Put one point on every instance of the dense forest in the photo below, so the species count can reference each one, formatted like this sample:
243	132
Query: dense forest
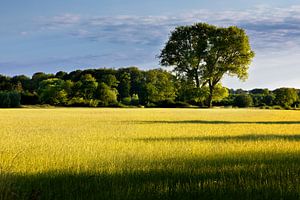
129	87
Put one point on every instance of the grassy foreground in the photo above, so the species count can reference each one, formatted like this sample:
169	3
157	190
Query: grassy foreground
79	153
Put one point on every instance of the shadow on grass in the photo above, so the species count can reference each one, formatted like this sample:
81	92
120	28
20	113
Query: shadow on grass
270	177
245	138
219	122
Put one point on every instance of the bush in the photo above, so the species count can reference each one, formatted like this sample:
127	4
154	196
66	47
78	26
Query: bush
93	102
10	99
277	107
78	102
4	100
151	105
28	98
243	101
265	107
15	99
169	103
135	101
126	101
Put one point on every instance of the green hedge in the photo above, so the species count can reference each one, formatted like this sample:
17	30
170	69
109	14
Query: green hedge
10	99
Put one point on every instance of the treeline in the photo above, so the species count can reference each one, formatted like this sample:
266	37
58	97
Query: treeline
131	87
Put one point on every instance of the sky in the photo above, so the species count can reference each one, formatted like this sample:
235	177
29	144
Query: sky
65	35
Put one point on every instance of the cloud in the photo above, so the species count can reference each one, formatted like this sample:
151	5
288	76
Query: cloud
269	28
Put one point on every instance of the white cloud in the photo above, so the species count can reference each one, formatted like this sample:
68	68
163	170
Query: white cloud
268	27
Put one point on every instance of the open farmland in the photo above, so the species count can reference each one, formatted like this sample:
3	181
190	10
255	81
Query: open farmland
81	153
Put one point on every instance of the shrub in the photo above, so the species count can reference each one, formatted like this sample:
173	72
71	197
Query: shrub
4	100
15	99
243	101
277	107
9	99
135	101
78	102
93	102
169	103
126	101
28	98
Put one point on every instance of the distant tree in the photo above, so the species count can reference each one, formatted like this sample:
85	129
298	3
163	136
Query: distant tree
243	100
206	53
259	91
74	75
106	95
29	98
37	78
53	91
15	99
136	80
5	83
240	91
157	86
285	96
88	86
110	80
9	99
61	75
124	86
21	82
4	100
269	99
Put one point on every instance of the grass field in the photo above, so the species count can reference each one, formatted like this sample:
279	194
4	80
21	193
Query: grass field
78	153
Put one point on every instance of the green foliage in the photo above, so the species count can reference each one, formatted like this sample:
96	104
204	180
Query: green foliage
201	95
5	83
124	86
157	86
77	102
126	101
21	83
219	93
15	99
243	101
133	87
286	97
4	100
87	86
110	80
9	99
54	91
205	53
106	95
29	98
37	78
135	100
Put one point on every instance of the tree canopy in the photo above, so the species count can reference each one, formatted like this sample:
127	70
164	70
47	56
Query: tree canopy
206	53
131	87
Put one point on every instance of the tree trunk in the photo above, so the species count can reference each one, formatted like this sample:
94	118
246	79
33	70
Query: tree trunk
197	80
210	97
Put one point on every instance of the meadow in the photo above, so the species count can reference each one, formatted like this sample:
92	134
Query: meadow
90	153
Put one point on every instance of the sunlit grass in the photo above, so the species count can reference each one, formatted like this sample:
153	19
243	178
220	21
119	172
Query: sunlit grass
149	154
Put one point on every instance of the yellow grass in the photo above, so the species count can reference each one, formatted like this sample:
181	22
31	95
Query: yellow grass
121	141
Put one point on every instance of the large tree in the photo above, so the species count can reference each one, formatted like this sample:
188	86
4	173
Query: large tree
206	53
286	96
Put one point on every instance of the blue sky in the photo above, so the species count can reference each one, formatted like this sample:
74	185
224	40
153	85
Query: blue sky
56	35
